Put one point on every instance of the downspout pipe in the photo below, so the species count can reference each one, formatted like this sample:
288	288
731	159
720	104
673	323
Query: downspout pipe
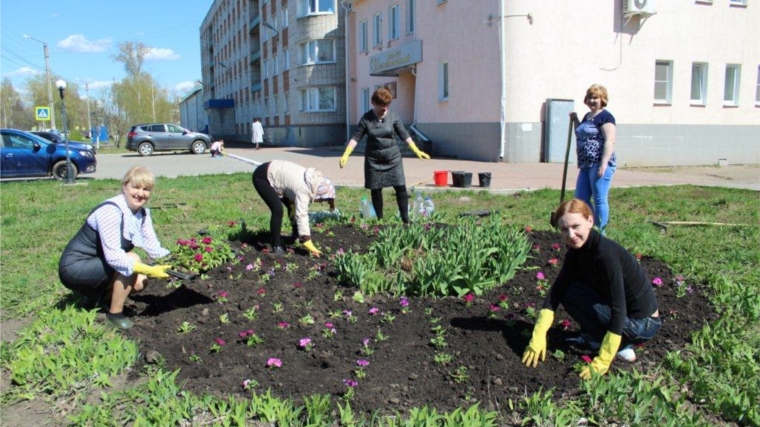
503	60
346	34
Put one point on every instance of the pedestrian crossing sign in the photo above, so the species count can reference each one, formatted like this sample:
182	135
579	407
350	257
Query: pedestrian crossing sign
42	113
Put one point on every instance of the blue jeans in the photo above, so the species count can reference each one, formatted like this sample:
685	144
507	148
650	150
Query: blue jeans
586	307
589	185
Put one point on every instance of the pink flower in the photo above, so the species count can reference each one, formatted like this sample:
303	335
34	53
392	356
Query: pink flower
297	285
347	313
565	324
494	308
283	325
540	276
223	294
231	223
362	362
529	229
556	246
220	341
261	291
328	325
502	297
273	363
536	248
553	261
638	257
246	384
243	334
468	298
304	342
586	359
249	267
374	310
404	302
350	382
198	257
657	281
206	240
365	341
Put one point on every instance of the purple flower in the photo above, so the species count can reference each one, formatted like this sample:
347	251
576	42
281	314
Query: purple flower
349	382
365	341
220	341
347	313
689	289
404	302
283	325
273	363
374	310
362	362
328	325
246	384
304	342
657	281
249	267
540	276
223	294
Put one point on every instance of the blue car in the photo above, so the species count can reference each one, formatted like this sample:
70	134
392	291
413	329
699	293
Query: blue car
23	154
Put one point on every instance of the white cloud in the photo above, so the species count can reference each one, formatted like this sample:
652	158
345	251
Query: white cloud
100	84
185	87
22	72
158	54
78	43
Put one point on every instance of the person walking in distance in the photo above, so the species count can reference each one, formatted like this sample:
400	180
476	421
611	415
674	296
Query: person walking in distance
257	132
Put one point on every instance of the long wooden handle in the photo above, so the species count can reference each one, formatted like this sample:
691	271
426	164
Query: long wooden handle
242	159
567	160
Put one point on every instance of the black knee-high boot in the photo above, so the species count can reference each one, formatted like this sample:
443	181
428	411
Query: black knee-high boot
377	202
402	198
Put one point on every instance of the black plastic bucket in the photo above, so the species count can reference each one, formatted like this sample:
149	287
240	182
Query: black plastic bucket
466	179
456	178
485	179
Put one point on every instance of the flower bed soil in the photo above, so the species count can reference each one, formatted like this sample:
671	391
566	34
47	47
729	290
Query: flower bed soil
402	373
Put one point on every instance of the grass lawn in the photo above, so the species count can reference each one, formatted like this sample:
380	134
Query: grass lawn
64	357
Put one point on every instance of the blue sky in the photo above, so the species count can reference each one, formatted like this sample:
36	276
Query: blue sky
83	36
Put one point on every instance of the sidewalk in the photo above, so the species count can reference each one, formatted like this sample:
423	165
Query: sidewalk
505	177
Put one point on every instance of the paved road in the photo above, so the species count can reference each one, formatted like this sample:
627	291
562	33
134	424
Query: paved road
505	177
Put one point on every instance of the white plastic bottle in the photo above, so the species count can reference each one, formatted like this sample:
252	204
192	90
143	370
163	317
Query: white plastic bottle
429	206
417	206
364	208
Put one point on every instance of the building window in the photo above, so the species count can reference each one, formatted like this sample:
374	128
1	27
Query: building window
285	59
731	90
274	105
663	81
738	2
698	83
265	69
318	99
377	29
365	99
393	22
315	7
285	16
442	1
274	65
285	103
363	42
317	52
410	4
443	81
757	88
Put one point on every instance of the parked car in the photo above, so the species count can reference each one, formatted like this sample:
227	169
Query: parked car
150	137
23	154
58	138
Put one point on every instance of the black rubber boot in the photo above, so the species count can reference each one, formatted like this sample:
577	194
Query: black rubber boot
118	320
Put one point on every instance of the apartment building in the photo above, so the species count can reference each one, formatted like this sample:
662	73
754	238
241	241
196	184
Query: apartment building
494	80
281	60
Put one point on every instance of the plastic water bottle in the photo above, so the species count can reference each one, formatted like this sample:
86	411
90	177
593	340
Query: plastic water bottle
366	210
428	206
417	206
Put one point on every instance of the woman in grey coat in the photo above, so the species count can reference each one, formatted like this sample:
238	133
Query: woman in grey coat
382	158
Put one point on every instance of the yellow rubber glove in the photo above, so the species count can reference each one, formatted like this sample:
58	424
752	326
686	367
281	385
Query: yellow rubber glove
421	154
152	271
537	346
601	363
313	249
344	159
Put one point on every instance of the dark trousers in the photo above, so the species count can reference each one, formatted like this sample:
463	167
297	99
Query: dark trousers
272	200
402	199
586	306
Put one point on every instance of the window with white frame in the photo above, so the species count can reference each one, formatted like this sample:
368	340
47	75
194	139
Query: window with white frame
264	69
285	59
284	17
275	66
315	7
731	89
393	22
410	18
757	88
698	83
318	99
363	41
365	99
738	2
443	81
377	29
663	82
285	103
317	52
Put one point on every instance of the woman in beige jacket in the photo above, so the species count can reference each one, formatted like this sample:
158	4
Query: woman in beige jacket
279	183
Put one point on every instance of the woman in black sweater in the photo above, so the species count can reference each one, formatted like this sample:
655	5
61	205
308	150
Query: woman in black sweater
603	288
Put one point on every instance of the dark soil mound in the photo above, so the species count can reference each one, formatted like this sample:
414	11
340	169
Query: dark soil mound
484	346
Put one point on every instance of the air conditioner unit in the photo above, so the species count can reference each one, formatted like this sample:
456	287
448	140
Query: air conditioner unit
638	7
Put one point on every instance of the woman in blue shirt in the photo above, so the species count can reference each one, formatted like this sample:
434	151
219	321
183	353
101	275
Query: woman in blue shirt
595	146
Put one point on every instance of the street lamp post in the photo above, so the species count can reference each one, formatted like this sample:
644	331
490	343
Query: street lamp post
49	84
61	85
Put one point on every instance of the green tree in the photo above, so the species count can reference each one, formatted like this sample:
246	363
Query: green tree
13	112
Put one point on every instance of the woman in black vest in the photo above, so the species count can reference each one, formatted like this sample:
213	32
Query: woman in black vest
98	261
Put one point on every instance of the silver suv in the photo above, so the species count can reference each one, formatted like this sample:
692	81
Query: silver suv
150	137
